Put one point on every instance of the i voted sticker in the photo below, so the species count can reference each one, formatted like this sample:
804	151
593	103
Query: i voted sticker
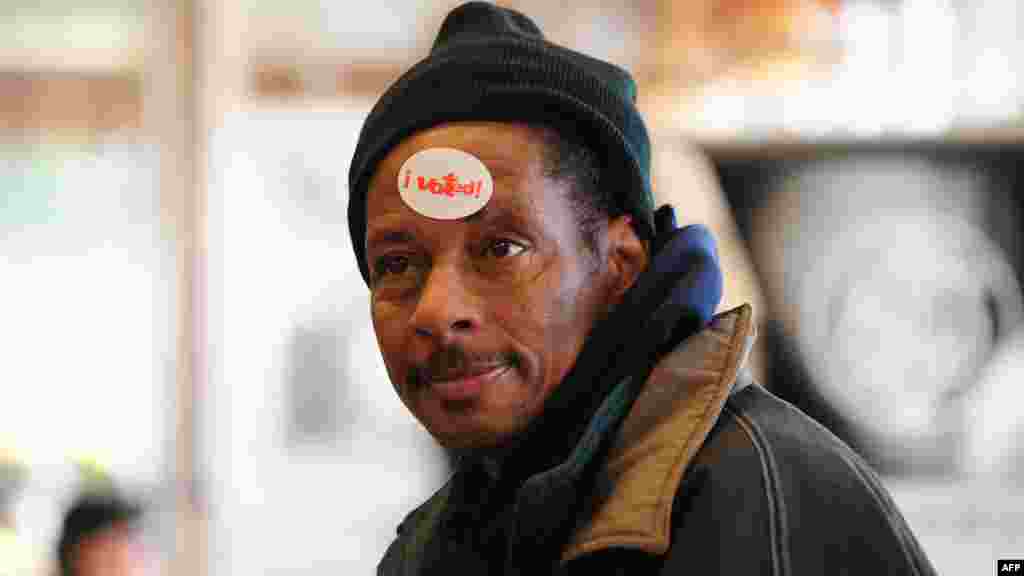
445	183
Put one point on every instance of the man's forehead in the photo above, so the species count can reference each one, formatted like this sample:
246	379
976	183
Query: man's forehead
508	149
397	223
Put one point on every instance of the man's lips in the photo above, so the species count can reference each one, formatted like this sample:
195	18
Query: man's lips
466	384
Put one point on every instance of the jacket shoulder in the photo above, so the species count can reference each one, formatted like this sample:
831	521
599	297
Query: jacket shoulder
405	551
792	497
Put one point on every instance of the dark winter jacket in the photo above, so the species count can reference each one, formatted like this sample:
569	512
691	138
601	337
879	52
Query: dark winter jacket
708	473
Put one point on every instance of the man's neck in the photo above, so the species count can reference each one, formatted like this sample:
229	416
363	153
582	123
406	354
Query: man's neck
546	443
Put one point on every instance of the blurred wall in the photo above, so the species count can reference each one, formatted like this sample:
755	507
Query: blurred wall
314	460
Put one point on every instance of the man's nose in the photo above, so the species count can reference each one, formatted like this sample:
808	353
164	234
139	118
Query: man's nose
447	307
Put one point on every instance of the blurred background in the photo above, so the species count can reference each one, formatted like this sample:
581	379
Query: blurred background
180	311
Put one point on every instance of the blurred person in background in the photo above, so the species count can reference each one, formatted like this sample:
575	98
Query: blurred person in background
558	334
102	535
17	557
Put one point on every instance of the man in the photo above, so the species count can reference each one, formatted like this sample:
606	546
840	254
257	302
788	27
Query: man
546	325
100	535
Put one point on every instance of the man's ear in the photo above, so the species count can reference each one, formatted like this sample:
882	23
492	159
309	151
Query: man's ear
627	254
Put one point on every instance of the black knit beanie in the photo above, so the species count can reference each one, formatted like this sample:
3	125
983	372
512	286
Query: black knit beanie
493	64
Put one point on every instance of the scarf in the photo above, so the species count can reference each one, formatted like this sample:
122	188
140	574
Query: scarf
515	516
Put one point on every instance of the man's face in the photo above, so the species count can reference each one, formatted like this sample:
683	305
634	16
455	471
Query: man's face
479	319
116	551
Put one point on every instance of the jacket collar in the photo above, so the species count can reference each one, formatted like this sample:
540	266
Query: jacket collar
667	424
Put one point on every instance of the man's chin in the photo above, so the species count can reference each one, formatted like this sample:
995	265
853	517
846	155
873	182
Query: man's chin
475	437
472	440
474	424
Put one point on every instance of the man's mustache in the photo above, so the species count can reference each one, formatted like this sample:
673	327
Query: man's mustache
455	361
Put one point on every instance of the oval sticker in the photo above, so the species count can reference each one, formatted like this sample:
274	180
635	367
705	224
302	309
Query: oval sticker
444	183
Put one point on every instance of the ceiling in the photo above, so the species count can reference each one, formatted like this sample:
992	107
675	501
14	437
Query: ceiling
68	35
93	35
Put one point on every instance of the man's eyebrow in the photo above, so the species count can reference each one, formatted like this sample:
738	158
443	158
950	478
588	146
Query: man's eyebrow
495	214
388	237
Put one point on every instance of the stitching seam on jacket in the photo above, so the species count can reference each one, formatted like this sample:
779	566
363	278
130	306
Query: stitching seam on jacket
882	498
778	534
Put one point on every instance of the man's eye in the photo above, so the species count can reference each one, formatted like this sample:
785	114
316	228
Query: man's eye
504	248
391	264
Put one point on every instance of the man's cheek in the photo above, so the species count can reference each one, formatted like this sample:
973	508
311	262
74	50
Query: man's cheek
396	367
531	297
518	313
391	347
